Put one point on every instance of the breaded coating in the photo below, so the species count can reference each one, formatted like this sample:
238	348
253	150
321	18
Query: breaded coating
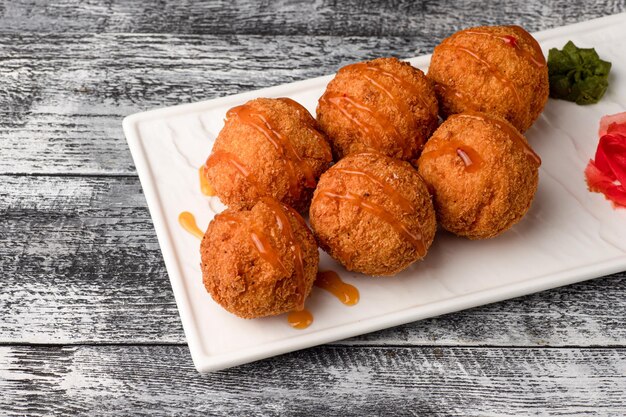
259	262
373	214
482	173
384	105
268	147
498	70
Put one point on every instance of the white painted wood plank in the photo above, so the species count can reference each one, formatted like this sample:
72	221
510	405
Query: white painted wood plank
160	380
285	17
79	262
65	95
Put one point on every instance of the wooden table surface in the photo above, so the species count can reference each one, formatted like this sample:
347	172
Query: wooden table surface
88	322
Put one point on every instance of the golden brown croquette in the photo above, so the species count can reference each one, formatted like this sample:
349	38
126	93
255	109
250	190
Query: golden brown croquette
268	147
482	173
384	105
373	214
259	262
498	70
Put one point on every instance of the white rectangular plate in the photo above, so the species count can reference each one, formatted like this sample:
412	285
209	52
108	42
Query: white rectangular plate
569	235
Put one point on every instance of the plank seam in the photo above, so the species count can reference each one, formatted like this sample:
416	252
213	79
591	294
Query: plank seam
330	345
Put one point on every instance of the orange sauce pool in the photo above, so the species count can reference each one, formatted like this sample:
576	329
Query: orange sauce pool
188	222
205	187
300	319
331	282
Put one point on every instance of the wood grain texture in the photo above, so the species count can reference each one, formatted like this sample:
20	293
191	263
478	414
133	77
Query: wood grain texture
160	380
81	264
82	277
429	19
65	94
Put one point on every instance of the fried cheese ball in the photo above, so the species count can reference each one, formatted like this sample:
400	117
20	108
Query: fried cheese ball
259	262
373	214
268	147
498	70
482	174
384	105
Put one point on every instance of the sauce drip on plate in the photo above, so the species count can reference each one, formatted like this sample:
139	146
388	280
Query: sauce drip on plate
331	282
188	222
205	186
300	319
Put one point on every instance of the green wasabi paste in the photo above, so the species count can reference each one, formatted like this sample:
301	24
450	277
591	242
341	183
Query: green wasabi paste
577	74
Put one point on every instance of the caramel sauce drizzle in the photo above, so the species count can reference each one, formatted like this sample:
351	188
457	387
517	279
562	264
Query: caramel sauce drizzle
284	225
293	160
349	106
259	240
494	71
331	282
536	56
205	187
300	319
404	204
265	249
416	239
188	222
229	158
397	198
470	157
446	90
363	67
517	137
310	124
